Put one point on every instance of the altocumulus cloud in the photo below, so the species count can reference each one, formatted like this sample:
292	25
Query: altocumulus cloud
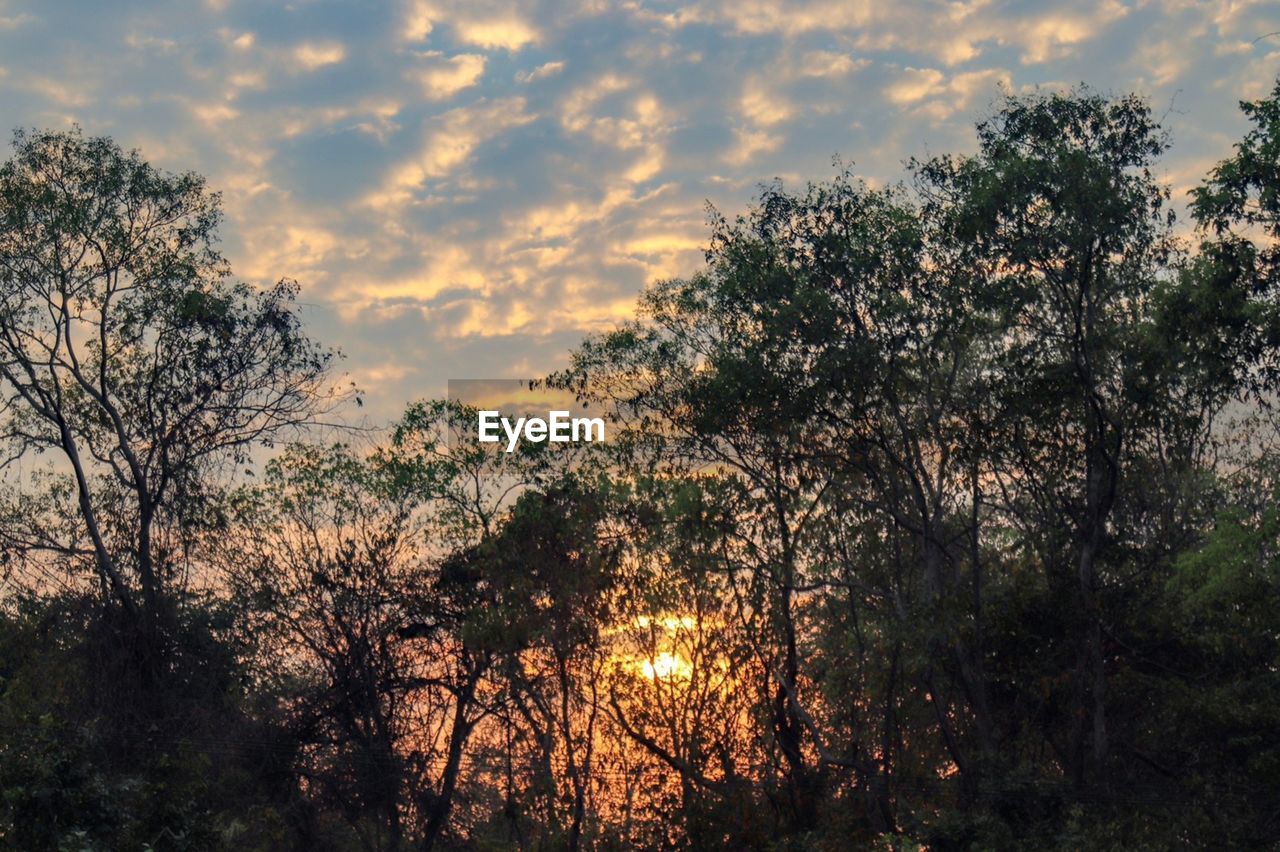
465	188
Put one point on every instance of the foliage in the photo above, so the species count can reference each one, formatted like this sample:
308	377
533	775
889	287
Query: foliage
936	515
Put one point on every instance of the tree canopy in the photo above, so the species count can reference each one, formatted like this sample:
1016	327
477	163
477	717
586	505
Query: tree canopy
939	514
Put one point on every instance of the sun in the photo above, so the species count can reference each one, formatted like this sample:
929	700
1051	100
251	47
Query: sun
667	666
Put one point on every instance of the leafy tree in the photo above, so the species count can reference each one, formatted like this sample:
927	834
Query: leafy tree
939	514
127	349
545	580
76	772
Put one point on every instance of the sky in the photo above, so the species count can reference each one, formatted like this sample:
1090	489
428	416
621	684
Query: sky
466	189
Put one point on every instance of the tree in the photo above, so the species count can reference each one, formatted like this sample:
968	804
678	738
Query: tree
327	564
942	407
1061	212
542	586
824	363
127	350
1238	210
941	513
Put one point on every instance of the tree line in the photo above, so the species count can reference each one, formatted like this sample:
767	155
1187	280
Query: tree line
935	515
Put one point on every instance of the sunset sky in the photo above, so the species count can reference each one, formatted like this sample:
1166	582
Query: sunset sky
465	189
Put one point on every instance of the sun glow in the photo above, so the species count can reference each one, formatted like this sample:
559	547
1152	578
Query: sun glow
669	623
661	658
667	666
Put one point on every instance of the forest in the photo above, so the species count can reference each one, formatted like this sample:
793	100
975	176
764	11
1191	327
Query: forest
941	514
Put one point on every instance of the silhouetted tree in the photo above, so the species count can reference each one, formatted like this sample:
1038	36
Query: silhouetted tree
126	348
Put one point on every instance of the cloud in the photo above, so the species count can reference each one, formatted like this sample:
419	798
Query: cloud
13	22
470	185
1057	33
613	113
749	143
506	34
546	69
932	93
65	94
829	63
473	22
762	107
419	21
915	84
950	33
447	143
310	56
757	17
445	77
